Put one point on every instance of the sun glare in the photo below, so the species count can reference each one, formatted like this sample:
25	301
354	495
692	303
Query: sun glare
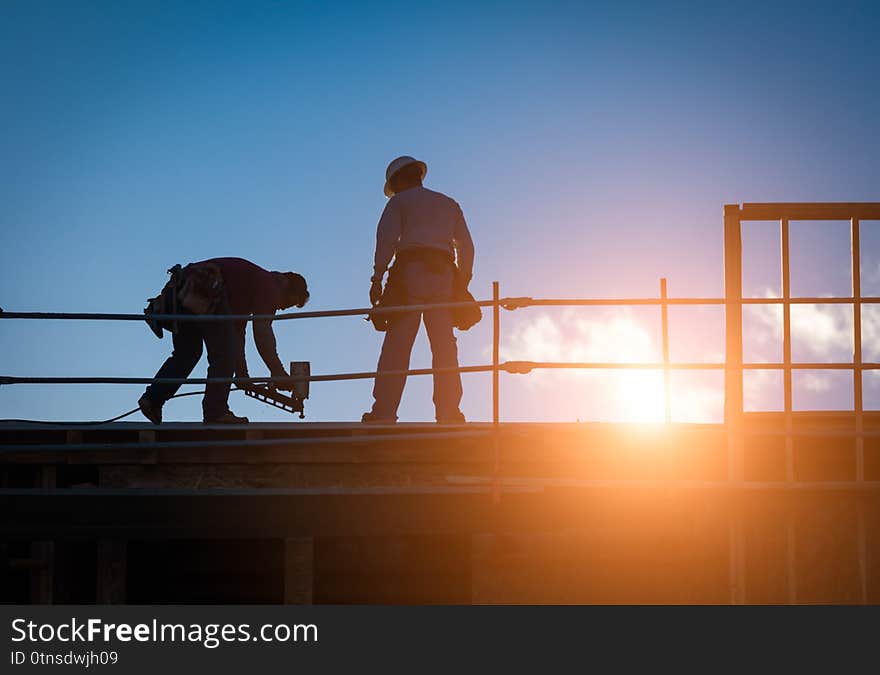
640	395
626	395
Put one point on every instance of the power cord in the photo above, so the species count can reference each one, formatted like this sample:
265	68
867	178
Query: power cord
97	422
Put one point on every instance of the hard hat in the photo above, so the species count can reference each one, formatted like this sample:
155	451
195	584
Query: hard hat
396	165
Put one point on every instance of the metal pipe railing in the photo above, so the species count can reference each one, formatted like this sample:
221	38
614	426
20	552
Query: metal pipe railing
510	304
239	380
358	311
511	367
497	303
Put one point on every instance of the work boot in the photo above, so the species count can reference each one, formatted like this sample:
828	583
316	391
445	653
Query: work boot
151	411
227	418
455	418
372	418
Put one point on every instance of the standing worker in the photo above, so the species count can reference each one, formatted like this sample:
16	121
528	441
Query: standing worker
218	286
426	234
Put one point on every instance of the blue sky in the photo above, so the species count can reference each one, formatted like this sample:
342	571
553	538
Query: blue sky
591	145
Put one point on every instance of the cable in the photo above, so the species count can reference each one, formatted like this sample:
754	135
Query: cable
95	422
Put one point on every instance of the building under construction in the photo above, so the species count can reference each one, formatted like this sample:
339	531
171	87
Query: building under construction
762	508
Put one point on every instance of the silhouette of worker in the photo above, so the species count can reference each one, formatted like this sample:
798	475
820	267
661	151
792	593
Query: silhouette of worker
219	286
426	234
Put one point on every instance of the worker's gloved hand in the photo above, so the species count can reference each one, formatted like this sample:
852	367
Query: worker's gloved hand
375	292
242	372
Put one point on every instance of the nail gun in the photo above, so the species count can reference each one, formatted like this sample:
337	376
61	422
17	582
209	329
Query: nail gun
300	372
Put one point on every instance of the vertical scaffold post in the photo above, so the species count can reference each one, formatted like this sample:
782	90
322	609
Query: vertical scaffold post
787	406
787	412
664	329
496	340
858	403
733	389
496	417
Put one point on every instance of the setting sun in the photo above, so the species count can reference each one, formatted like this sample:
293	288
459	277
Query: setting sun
604	394
640	396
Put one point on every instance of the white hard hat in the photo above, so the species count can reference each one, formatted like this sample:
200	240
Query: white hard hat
396	165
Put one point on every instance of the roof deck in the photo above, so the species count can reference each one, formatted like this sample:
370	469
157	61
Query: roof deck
428	513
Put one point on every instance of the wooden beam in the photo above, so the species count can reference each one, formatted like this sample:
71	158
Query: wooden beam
733	389
787	406
810	211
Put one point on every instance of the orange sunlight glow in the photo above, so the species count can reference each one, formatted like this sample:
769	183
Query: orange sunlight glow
620	395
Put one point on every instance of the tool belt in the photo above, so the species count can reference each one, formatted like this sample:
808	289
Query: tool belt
437	261
196	289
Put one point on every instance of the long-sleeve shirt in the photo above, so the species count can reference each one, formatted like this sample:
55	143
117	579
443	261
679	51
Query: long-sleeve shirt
252	290
422	218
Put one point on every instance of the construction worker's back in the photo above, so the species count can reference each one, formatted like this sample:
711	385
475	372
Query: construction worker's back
424	231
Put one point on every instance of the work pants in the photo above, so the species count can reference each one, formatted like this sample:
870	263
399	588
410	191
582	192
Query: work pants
219	339
421	285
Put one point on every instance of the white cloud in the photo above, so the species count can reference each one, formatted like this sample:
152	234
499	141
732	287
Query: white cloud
819	333
815	382
871	333
618	338
870	275
762	390
618	395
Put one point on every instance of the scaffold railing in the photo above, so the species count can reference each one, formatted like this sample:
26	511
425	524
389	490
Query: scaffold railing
519	366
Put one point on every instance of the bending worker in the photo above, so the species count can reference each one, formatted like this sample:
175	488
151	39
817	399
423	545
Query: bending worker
426	233
219	286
